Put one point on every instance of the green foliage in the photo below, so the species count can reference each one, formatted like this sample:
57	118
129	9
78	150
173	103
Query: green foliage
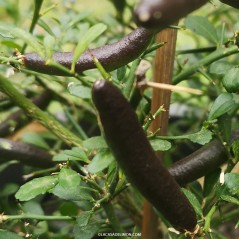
231	183
78	193
222	105
100	161
86	226
85	40
210	181
194	201
235	149
35	187
68	178
25	36
201	137
220	67
201	26
231	80
229	190
79	90
75	154
96	142
121	73
160	145
10	235
35	139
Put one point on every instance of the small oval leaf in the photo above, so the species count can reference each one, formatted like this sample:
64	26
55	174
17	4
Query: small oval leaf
223	104
79	90
97	142
68	178
160	145
220	67
202	137
36	187
231	80
101	161
75	154
201	26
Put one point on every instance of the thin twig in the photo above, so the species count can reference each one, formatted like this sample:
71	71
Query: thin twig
163	86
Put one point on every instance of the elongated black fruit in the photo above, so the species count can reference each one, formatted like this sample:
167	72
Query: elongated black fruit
18	119
111	56
232	3
158	14
202	161
199	163
25	153
129	144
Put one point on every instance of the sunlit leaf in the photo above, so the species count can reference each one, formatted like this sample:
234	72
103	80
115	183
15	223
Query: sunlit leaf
94	32
160	145
201	26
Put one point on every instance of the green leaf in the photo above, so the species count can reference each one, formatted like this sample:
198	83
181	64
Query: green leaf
231	182
121	73
210	181
94	32
231	80
10	44
35	139
41	23
49	44
220	67
68	178
97	142
193	200
201	26
202	137
78	18
224	123
235	149
4	234
75	154
8	189
41	228
83	218
6	34
3	166
69	209
79	90
73	194
32	207
223	104
28	38
160	145
100	161
89	230
36	187
230	199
